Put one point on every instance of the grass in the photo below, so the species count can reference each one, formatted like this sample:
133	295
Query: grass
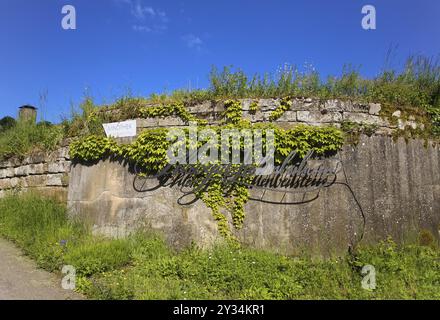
417	84
142	266
414	89
23	138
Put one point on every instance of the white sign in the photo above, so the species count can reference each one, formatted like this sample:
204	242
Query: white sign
120	129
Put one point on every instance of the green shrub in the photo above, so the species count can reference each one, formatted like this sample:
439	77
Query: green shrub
6	123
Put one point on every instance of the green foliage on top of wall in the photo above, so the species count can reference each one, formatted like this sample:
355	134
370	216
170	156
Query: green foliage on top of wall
415	88
416	85
165	110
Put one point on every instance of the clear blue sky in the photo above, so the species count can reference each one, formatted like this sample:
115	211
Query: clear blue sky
151	46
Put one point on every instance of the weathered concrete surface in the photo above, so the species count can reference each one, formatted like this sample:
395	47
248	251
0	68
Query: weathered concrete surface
20	279
397	185
104	196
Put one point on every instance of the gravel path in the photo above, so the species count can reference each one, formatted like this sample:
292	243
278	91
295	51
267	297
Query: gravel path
21	279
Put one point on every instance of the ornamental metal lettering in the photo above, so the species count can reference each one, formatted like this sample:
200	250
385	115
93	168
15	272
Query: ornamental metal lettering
302	177
295	175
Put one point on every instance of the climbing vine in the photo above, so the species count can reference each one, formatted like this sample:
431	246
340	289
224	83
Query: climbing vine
149	151
285	104
253	107
233	111
434	113
177	109
95	118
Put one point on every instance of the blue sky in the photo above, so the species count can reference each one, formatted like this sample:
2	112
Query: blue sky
143	46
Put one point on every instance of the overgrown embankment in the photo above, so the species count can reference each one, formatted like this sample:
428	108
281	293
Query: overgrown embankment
143	267
413	91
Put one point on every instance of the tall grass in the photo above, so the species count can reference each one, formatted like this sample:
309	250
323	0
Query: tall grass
144	267
41	227
37	225
417	84
27	137
415	87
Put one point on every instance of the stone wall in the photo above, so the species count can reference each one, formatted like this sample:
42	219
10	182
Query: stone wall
46	172
396	184
306	111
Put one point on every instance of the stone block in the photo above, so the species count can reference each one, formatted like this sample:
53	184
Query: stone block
170	121
257	117
62	153
299	104
5	183
146	123
365	118
385	131
289	116
58	167
21	171
401	124
55	180
10	172
333	105
14	182
246	103
356	107
39	168
268	104
3	173
374	108
35	181
318	117
201	108
38	157
4	164
397	114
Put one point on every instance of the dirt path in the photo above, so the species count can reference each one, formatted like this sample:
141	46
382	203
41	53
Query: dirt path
21	279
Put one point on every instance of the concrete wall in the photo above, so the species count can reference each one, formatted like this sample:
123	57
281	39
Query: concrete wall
397	184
